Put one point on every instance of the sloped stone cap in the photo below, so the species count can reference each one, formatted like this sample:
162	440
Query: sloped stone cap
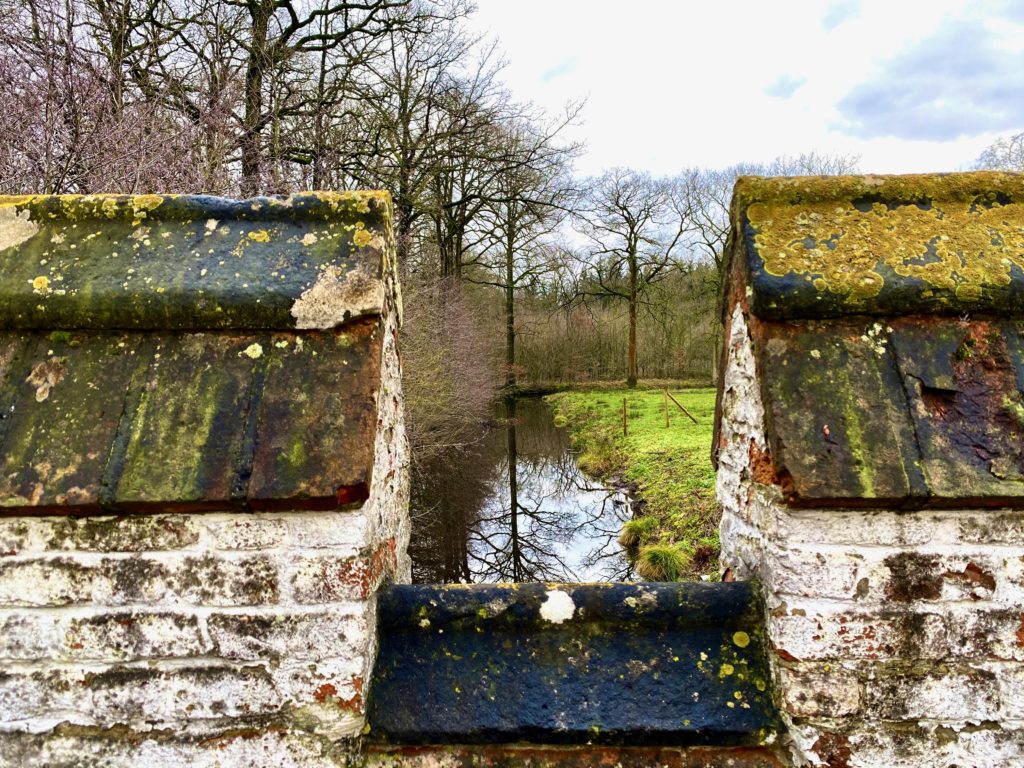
164	421
882	245
679	664
908	412
168	262
885	317
191	353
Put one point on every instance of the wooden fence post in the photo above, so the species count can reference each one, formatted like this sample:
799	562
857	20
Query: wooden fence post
681	407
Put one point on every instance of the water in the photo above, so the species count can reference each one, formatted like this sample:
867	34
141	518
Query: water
565	526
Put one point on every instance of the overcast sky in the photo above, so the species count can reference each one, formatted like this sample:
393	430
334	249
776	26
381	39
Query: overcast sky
909	86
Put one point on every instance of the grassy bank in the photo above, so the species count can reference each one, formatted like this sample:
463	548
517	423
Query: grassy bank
676	535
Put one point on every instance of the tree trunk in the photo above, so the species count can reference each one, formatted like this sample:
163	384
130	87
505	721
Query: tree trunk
255	71
403	227
631	353
518	572
510	314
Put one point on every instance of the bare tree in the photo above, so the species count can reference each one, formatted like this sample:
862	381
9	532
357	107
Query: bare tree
1005	153
418	106
636	226
531	191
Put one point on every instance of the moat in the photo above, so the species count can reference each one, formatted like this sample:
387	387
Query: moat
559	525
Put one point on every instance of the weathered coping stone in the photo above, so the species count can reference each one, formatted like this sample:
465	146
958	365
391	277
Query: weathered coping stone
191	262
627	664
882	245
163	352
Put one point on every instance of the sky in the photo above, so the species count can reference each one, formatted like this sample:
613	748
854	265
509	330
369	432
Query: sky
908	86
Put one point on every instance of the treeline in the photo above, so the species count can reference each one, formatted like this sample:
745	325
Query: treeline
515	270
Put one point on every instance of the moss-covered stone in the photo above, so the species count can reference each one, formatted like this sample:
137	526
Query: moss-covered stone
192	262
562	663
826	246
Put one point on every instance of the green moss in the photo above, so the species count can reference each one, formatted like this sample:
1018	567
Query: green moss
965	350
1014	408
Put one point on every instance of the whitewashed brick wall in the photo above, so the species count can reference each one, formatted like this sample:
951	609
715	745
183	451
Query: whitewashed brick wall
897	637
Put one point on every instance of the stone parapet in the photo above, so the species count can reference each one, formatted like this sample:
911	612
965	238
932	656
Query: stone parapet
870	466
204	477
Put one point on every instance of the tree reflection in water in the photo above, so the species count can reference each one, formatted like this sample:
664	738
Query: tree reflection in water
515	507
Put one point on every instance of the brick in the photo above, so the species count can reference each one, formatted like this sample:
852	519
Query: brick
250	532
29	635
202	580
814	573
211	580
344	533
911	576
305	636
170	696
1005	527
1011	691
976	633
897	745
865	527
206	748
858	635
330	579
132	635
933	692
16	536
820	690
130	533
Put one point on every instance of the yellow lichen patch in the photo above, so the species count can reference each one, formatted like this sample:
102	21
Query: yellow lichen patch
354	202
146	202
799	190
41	284
741	639
259	236
958	245
253	351
362	237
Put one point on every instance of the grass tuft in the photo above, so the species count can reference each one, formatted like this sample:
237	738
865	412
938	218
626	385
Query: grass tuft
637	532
662	562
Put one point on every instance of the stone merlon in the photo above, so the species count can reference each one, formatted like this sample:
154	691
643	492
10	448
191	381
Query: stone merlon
886	315
191	353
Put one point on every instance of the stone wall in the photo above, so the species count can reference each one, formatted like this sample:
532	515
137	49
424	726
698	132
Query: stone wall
897	637
207	638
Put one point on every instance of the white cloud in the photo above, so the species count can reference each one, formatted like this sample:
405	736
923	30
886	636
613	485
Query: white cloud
673	84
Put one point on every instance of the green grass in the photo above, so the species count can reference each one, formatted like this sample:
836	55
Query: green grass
670	469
